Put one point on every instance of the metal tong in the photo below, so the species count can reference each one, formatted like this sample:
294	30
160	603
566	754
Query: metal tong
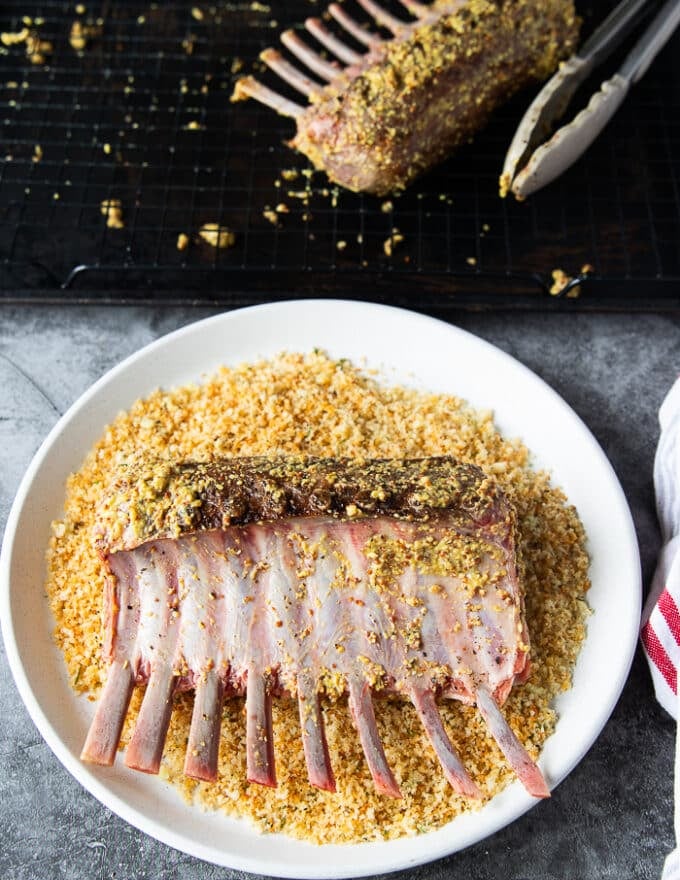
530	162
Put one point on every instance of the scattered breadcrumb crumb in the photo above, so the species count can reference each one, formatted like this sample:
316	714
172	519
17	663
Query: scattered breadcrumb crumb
10	38
107	149
386	207
194	125
282	208
561	280
341	245
81	34
36	49
188	44
80	9
182	241
197	13
217	236
37	153
302	194
390	243
471	261
236	65
270	215
289	174
113	211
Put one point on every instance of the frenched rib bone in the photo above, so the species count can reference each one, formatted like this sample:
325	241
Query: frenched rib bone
308	577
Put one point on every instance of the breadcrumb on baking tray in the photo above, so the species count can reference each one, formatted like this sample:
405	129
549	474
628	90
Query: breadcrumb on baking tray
217	236
309	403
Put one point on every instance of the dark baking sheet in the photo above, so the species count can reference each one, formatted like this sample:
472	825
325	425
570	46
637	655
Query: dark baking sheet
142	115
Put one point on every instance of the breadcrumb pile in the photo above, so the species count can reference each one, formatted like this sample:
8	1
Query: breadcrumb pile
309	403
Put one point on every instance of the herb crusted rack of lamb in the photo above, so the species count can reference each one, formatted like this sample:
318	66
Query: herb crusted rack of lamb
391	108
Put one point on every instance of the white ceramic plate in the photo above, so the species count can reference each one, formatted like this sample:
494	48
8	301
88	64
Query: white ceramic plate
412	350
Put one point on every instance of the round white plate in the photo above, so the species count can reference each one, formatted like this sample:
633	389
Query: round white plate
407	348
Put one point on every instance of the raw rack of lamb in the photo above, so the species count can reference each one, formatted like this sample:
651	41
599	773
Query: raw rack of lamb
308	578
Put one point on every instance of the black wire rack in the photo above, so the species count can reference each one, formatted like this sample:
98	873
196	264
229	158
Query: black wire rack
120	143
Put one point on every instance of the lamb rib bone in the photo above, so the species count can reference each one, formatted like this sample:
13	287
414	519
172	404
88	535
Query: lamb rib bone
308	576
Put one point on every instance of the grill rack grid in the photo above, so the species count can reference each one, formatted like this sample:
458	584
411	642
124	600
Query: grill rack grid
141	116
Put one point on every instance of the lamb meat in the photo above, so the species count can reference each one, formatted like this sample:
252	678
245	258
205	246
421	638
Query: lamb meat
377	118
311	578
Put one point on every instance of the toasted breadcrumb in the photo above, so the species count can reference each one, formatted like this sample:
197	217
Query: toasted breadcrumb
182	241
113	211
13	38
81	34
390	243
217	236
309	403
37	49
561	280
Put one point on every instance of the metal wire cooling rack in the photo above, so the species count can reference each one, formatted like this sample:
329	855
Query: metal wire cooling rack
128	104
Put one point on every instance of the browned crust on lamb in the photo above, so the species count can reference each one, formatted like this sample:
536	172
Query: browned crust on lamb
421	97
154	499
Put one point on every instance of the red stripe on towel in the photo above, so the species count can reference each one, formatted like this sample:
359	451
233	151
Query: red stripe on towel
659	657
671	615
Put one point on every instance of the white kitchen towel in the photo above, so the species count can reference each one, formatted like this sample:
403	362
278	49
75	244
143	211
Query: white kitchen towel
661	618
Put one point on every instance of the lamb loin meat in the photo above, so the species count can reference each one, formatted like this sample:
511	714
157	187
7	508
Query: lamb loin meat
383	116
308	577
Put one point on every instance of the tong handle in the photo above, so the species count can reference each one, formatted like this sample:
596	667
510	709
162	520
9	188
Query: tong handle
611	33
652	41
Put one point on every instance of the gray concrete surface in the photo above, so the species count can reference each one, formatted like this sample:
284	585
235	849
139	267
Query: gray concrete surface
611	819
